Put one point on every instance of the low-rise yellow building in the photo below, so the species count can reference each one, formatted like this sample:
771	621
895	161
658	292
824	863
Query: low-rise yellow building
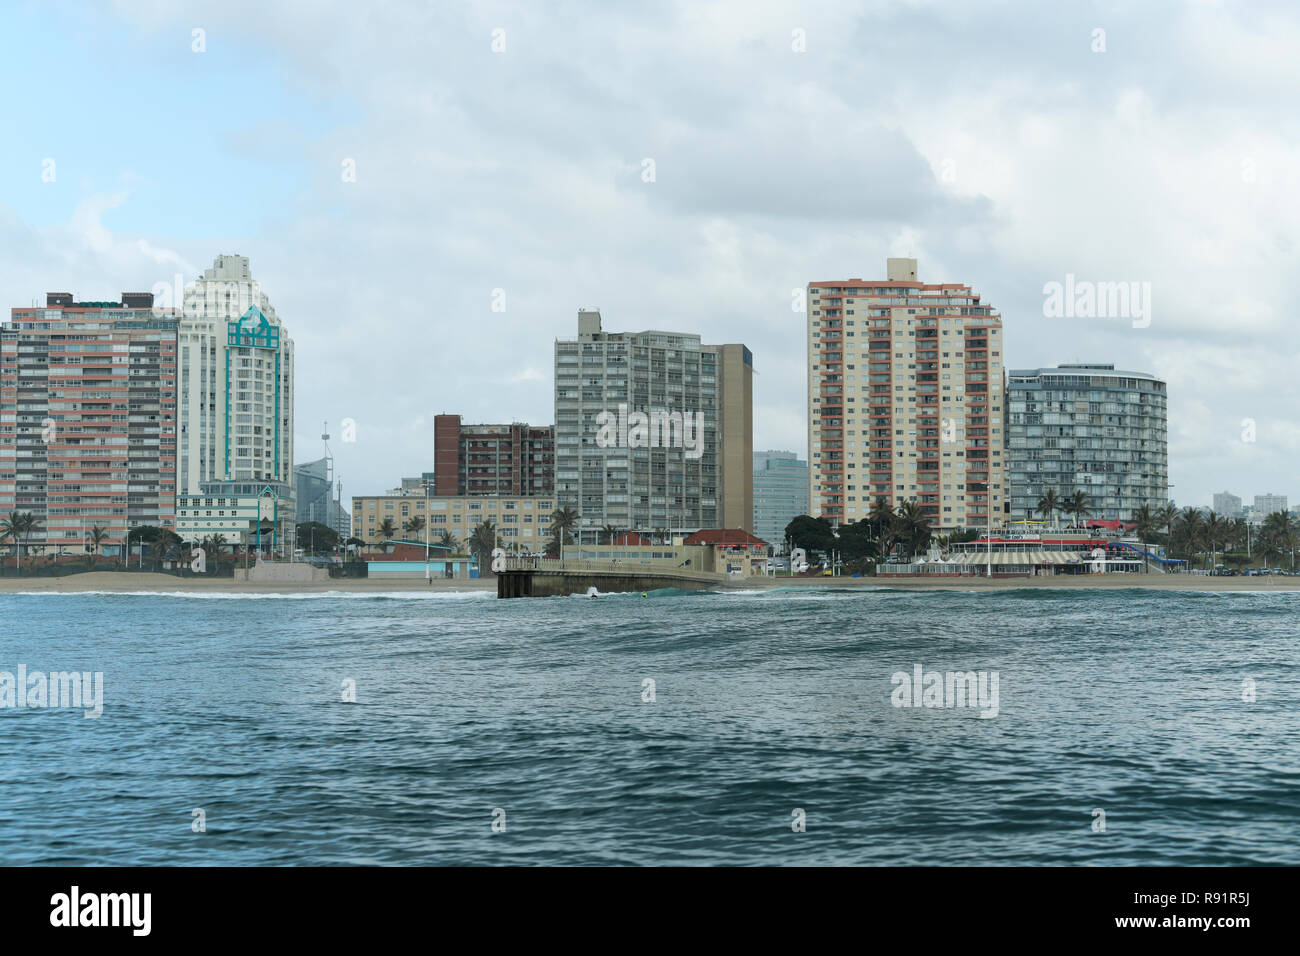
521	521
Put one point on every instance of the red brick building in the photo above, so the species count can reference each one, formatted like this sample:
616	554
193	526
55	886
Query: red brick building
490	460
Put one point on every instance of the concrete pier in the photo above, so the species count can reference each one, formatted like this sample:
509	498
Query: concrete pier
553	583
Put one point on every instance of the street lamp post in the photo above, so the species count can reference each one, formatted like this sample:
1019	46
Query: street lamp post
428	574
988	535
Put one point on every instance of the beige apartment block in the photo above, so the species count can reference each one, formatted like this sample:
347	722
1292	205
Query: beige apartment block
521	521
905	400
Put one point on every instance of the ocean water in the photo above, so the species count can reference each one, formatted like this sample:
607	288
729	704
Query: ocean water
768	708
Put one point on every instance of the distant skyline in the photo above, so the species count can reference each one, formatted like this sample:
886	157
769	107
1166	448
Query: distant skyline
683	168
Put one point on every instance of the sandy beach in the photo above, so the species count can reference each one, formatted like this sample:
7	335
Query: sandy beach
118	581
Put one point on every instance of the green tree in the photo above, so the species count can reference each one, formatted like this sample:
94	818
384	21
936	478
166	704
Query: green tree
11	529
566	520
563	521
313	536
857	540
1049	504
881	515
386	530
97	536
1078	505
1216	533
414	527
911	527
1144	522
811	534
1165	518
1278	534
1187	532
609	532
481	543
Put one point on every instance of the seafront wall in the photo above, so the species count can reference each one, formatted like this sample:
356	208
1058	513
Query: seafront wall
295	573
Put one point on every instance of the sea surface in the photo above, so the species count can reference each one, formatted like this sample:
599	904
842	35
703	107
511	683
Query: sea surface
525	732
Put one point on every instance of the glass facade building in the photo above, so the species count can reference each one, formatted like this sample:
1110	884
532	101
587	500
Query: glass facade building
780	493
1087	428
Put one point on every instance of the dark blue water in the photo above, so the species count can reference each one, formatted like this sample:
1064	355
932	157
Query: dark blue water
1129	702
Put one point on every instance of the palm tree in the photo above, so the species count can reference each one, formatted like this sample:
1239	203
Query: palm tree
1145	521
1165	518
609	532
662	535
414	526
911	526
1279	533
97	536
881	514
11	526
563	521
1049	504
1188	530
481	543
448	540
30	524
1079	505
386	530
1215	532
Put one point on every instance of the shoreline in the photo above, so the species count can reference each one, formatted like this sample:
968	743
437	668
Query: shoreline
146	581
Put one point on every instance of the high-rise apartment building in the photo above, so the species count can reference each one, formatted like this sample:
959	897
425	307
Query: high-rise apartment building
236	415
1087	428
780	493
1226	504
1269	504
653	430
904	399
515	459
88	418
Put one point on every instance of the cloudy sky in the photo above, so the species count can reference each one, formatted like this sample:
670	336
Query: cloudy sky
504	147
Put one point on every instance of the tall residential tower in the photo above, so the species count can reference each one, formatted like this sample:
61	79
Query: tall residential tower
904	399
1087	428
88	419
236	413
653	430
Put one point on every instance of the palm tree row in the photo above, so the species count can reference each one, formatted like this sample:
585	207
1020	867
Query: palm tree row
1188	532
18	527
1077	505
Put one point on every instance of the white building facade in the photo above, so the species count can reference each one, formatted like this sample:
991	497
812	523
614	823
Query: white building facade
236	409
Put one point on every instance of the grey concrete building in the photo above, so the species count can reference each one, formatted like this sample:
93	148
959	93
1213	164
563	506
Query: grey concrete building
1227	504
653	430
1087	428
